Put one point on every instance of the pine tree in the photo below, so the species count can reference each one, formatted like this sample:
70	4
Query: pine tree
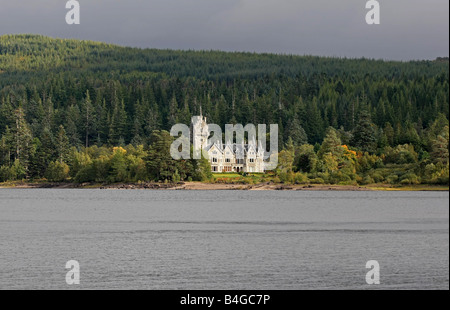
410	136
6	142
152	120
102	123
390	134
88	116
35	113
204	169
137	129
221	113
440	152
22	139
364	135
160	164
73	120
45	153
173	111
62	145
381	112
331	144
118	124
48	111
314	124
6	115
296	132
185	114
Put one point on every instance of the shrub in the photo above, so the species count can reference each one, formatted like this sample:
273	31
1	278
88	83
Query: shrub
402	154
276	180
78	161
368	162
359	179
286	177
318	181
102	166
17	171
436	174
57	172
306	159
86	174
339	177
324	176
176	177
5	174
377	177
248	181
137	168
392	179
118	172
367	180
300	178
410	179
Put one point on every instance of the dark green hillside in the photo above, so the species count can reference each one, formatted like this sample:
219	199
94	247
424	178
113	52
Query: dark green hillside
95	94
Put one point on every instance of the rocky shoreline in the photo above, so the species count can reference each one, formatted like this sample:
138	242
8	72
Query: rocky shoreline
216	186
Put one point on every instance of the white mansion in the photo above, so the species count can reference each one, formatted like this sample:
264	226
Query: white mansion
229	157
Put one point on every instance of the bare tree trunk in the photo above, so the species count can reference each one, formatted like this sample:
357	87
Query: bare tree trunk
87	126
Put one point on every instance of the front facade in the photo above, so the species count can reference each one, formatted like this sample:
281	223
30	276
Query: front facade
236	158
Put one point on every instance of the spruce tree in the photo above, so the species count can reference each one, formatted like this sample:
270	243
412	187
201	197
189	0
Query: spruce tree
364	135
331	144
22	136
440	152
61	145
88	117
296	132
72	125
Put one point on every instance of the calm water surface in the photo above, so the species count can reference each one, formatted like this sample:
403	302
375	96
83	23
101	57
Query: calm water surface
223	239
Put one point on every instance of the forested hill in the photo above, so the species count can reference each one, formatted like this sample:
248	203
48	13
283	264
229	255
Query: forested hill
103	95
42	55
244	87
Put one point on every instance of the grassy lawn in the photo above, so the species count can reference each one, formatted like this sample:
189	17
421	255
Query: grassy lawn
226	175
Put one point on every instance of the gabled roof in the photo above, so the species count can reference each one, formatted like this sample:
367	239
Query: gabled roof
217	146
236	148
230	147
